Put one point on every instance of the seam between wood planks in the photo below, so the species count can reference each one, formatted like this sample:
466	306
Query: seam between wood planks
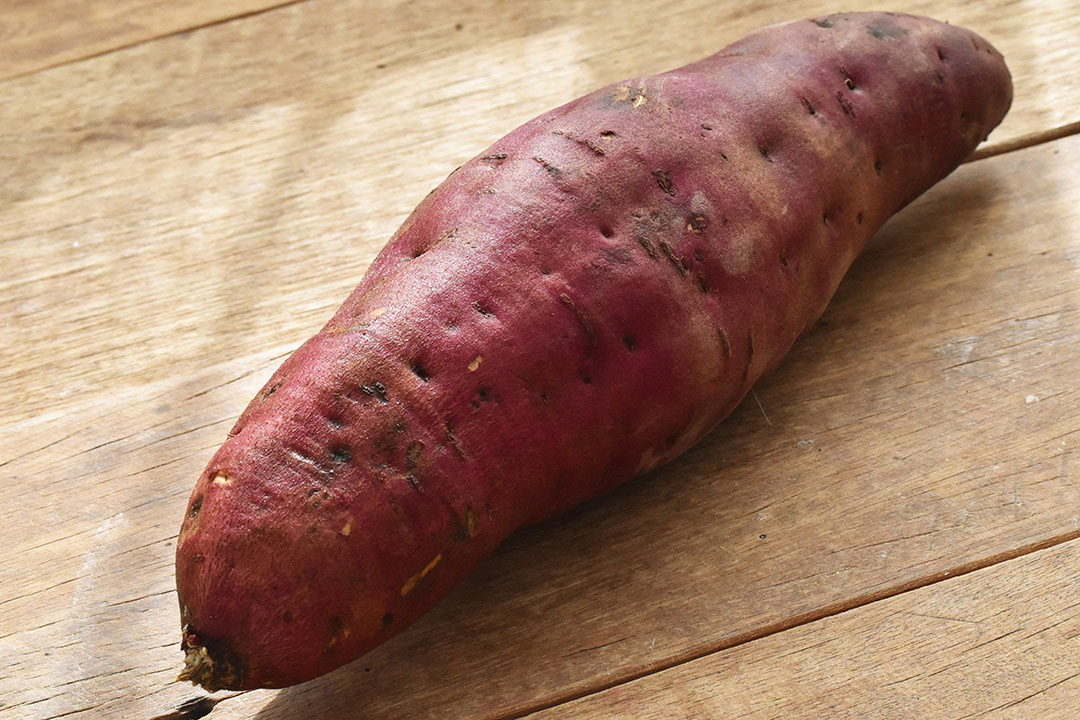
800	619
1025	141
154	38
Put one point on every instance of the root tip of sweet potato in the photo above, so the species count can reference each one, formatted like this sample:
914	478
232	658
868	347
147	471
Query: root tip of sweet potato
210	672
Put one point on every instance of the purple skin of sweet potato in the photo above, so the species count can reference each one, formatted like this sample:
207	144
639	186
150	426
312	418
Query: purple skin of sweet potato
578	304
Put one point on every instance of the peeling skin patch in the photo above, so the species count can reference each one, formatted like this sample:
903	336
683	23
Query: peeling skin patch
625	93
377	312
411	582
222	479
582	141
346	528
546	165
882	30
476	363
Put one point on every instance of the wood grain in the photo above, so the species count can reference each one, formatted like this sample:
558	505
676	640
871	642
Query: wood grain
1003	642
272	150
39	34
177	216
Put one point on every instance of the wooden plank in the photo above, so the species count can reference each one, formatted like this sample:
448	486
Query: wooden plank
178	215
272	150
1003	642
41	34
227	151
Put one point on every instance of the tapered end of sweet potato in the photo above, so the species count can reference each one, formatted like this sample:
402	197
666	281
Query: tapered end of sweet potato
212	671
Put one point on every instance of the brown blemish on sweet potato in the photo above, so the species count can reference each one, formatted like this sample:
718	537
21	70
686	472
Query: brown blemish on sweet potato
587	142
340	454
472	522
663	179
415	579
338	632
669	251
413	453
845	104
725	346
376	390
452	439
649	247
586	327
546	165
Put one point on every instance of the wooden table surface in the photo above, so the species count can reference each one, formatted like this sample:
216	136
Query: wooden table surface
889	528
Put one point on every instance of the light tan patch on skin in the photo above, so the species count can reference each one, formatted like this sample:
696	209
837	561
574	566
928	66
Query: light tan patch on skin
377	312
476	363
625	93
222	479
347	527
699	204
411	583
737	255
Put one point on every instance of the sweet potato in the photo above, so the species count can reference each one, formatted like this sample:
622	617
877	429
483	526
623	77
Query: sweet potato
576	305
